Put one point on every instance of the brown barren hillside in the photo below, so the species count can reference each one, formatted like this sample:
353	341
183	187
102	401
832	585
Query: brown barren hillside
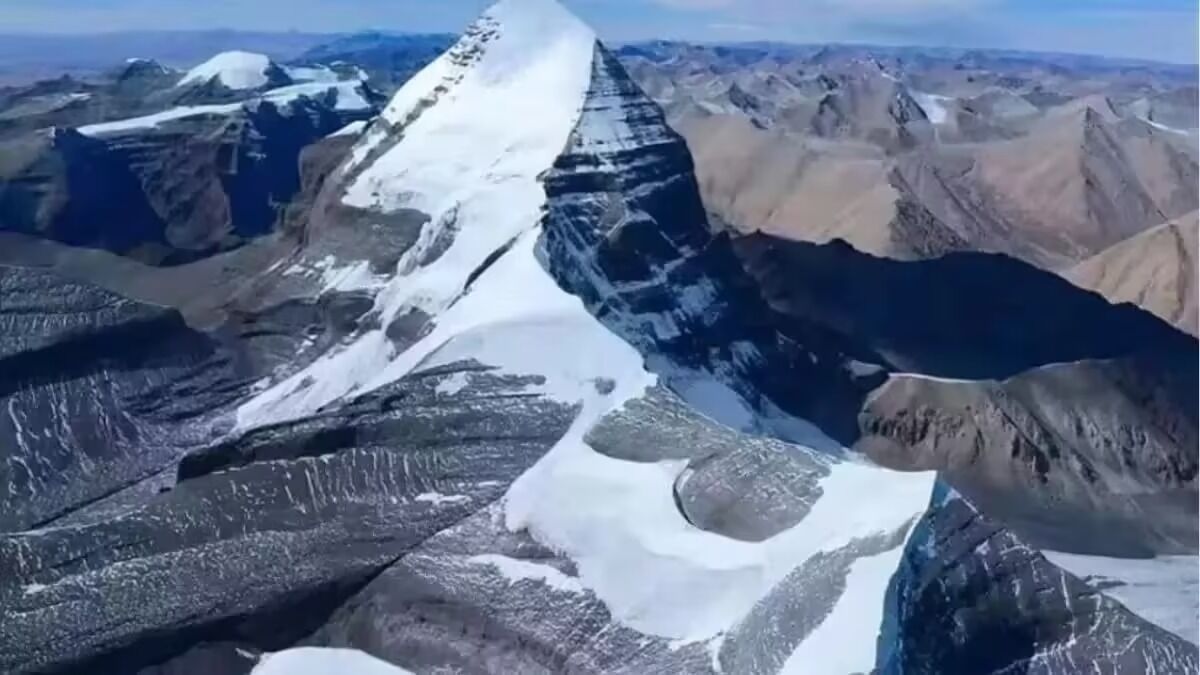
1155	270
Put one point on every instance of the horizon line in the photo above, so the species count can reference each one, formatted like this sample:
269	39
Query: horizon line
400	33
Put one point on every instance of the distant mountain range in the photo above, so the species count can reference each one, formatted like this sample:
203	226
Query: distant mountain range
913	154
25	57
28	57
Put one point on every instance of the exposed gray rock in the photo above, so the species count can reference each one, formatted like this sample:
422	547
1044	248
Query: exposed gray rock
454	605
293	516
969	597
625	230
1089	457
99	393
763	641
166	195
736	485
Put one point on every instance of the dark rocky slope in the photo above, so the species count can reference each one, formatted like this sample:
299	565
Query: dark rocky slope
289	519
182	191
625	230
1072	420
1034	618
99	392
1091	457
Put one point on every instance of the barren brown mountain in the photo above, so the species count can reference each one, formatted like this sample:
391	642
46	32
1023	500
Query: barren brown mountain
910	160
1083	180
1155	270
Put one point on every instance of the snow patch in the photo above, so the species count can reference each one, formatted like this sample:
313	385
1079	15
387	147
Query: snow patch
324	661
1163	590
1163	127
518	570
453	384
933	105
349	94
312	74
234	69
155	119
438	499
853	625
349	98
353	277
351	129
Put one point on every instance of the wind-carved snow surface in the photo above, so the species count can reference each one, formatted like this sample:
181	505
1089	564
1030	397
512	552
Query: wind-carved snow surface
612	517
234	69
465	142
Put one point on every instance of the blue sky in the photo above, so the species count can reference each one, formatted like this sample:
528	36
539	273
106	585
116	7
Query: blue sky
1155	29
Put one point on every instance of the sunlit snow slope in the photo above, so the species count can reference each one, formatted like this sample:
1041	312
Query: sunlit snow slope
235	69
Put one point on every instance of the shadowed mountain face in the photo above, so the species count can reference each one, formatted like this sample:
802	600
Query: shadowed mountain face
944	623
167	167
1032	397
489	394
185	191
964	315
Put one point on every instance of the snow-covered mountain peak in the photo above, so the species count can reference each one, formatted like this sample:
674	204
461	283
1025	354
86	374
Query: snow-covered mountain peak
464	144
510	41
234	69
527	14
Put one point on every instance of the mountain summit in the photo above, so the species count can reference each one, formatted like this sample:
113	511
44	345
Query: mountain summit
236	70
